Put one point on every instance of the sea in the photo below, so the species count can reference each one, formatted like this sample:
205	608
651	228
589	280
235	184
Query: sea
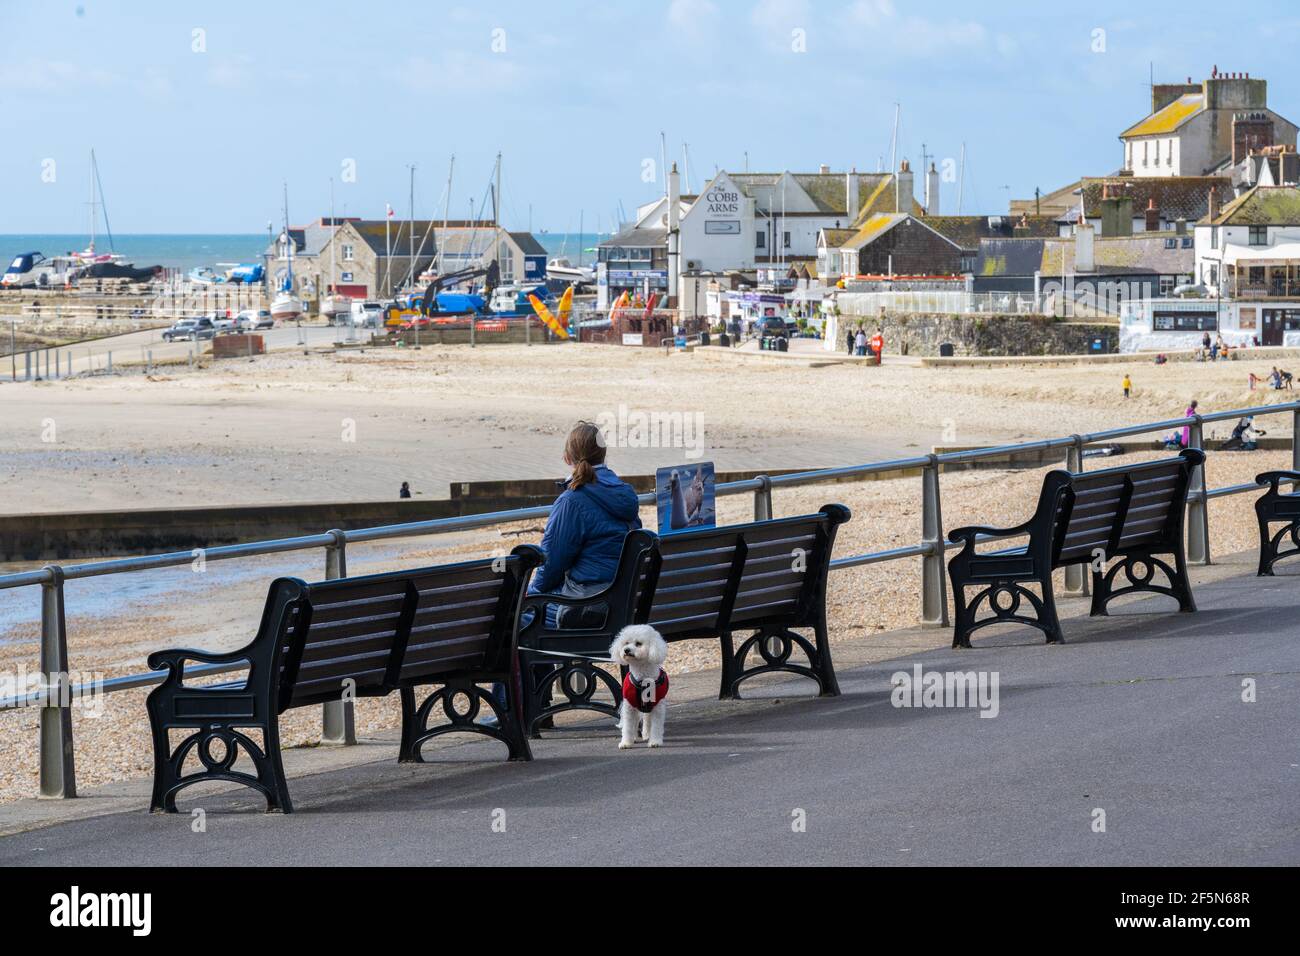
186	252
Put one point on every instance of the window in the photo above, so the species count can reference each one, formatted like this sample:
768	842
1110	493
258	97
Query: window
1187	242
1146	152
1166	285
1169	157
760	240
1214	237
347	253
785	240
1171	243
1259	235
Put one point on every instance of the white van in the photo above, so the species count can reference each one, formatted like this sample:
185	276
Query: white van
367	315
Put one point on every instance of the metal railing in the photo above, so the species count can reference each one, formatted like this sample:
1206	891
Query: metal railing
57	775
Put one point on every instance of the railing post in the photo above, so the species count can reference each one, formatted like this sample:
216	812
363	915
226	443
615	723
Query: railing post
472	324
1198	524
763	499
338	721
1076	575
934	582
528	330
58	777
1295	438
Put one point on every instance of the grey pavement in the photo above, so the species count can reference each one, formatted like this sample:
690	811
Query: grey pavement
1139	715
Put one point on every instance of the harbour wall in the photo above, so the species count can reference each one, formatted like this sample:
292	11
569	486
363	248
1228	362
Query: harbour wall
921	333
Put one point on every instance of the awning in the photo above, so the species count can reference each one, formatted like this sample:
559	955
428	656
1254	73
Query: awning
1280	254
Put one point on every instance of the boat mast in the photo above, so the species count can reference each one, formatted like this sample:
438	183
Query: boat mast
288	242
410	239
333	234
446	213
91	247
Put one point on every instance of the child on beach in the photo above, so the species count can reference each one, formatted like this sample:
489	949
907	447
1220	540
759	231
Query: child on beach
1127	385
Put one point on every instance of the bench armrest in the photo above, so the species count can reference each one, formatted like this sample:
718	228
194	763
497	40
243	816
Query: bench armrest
173	660
1274	478
536	602
970	533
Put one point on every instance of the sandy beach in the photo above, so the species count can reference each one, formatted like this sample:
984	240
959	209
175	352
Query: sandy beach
273	430
353	425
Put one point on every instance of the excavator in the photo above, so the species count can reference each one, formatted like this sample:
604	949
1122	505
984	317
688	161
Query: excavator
407	309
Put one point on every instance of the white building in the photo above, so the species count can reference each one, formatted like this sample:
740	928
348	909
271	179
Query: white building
1248	257
1197	129
744	222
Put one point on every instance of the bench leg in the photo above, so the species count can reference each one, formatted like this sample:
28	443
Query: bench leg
774	646
1004	600
461	702
1270	545
578	681
169	778
1139	571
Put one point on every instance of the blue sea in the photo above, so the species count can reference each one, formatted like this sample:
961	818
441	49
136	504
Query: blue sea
186	252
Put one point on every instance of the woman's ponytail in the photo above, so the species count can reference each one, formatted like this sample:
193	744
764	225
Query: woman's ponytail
584	450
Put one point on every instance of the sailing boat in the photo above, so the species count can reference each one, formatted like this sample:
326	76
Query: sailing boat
332	304
286	305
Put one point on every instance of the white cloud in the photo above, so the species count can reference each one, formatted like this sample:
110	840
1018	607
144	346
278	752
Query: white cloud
232	73
776	19
902	36
692	17
55	76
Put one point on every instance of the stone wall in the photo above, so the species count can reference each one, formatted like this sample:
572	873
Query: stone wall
916	333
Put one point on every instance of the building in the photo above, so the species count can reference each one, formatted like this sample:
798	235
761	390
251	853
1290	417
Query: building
1198	129
1126	205
374	258
743	222
308	242
894	244
1097	274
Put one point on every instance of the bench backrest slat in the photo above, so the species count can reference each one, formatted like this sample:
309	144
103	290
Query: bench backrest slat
381	631
1117	508
714	578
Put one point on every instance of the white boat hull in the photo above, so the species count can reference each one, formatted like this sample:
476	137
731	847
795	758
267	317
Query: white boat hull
335	305
285	306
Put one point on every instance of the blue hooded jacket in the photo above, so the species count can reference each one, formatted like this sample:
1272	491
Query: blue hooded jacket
585	532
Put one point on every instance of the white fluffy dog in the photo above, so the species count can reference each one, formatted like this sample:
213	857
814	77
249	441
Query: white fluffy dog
642	650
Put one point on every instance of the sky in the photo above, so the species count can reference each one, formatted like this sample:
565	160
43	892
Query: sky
200	112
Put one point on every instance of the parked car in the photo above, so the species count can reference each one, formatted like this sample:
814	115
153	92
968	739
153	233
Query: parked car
252	319
190	329
223	325
367	315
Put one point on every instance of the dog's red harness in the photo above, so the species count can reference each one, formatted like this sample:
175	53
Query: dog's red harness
636	693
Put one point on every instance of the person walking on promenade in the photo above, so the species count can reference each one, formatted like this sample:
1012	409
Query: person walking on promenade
860	342
850	341
878	344
405	490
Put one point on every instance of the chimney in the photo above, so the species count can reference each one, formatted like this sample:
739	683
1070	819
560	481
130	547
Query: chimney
852	198
674	232
1213	204
932	192
1083	249
824	170
904	194
1153	216
1251	132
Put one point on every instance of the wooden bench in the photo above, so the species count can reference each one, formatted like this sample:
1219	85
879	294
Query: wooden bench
453	626
1276	507
765	580
1127	516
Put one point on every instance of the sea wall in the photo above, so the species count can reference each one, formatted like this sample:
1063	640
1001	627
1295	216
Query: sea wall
922	333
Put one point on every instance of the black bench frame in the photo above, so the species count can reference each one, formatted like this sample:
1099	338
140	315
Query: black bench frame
1272	507
565	659
1003	574
217	714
